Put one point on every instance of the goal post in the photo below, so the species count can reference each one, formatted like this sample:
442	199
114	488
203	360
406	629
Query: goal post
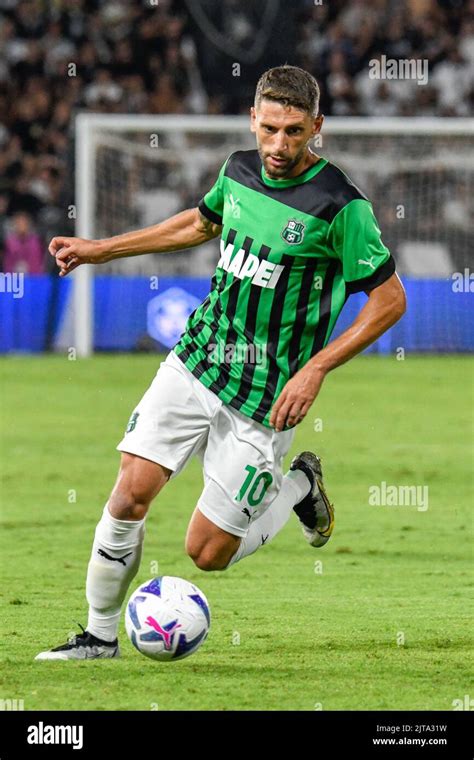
134	170
82	301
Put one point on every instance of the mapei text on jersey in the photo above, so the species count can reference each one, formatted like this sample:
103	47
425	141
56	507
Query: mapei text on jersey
262	272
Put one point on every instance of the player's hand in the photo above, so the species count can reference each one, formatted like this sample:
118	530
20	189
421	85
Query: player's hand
71	252
298	394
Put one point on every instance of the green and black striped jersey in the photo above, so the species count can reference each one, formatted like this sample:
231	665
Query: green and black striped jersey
291	252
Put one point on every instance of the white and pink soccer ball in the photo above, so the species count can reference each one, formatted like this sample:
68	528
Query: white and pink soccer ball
167	618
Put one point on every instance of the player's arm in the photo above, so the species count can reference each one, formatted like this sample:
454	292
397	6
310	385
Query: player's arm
385	305
184	230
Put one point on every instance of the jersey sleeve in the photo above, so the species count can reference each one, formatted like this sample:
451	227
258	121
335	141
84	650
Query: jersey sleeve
355	237
212	204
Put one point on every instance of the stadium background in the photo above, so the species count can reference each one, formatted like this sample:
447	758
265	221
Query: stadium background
180	58
382	621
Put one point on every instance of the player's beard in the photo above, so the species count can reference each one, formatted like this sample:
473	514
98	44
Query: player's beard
283	171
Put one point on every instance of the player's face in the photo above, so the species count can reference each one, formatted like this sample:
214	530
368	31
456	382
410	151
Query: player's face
282	135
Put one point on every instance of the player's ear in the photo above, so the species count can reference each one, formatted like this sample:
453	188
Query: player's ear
253	119
318	123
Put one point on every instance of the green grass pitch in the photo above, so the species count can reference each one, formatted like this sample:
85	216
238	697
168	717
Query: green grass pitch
377	619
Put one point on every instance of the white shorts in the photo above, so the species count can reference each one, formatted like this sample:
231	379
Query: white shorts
178	417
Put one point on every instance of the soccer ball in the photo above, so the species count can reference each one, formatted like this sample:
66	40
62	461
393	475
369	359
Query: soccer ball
167	618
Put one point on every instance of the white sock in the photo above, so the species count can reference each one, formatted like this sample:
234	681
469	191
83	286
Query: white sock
109	579
300	483
294	487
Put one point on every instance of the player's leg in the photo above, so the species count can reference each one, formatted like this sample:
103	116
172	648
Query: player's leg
247	501
164	431
303	492
213	548
118	541
115	558
242	467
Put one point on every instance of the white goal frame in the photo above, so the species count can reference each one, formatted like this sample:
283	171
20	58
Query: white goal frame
87	124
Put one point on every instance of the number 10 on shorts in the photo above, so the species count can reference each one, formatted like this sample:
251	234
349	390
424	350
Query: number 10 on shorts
254	486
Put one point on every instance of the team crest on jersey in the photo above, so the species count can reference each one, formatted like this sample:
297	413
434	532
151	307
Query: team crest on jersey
293	232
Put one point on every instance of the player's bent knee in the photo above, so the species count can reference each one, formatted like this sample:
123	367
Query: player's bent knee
210	547
123	506
208	561
210	556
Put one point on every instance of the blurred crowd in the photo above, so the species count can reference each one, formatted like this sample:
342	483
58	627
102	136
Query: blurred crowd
178	56
338	50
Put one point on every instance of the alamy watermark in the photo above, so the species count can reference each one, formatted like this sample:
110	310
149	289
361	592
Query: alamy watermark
463	282
12	704
385	495
467	703
42	733
12	282
238	353
401	68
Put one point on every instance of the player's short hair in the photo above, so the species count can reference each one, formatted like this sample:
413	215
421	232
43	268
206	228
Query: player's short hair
290	86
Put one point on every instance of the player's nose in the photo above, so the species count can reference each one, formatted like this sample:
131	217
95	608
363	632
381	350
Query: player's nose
280	143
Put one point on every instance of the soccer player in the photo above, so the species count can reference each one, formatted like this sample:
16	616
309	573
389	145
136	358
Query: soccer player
297	238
